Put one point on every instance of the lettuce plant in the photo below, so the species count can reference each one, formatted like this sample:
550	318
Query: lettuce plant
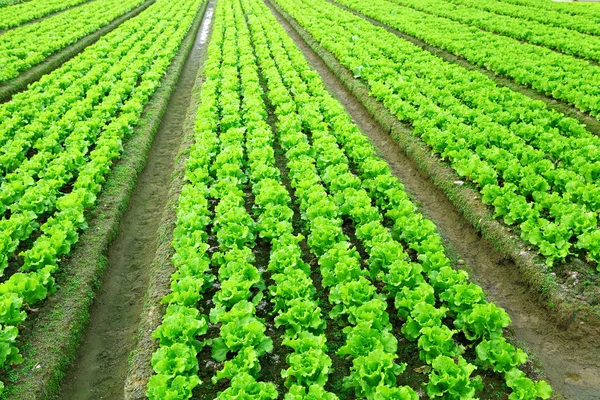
313	392
244	386
436	341
362	339
525	389
161	386
483	321
451	379
374	369
307	368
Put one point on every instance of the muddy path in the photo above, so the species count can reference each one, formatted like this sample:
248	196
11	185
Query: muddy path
100	369
569	360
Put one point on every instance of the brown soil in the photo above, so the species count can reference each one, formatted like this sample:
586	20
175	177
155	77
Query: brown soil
161	268
100	369
569	360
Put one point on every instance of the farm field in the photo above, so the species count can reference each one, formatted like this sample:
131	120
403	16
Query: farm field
299	199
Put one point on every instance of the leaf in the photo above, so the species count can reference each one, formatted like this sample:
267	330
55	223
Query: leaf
219	350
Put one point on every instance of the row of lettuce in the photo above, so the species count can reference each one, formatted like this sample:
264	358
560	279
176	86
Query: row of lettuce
5	3
584	23
557	75
563	40
28	11
233	152
538	169
336	137
74	122
577	8
26	46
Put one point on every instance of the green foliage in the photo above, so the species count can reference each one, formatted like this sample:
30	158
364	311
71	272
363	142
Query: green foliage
245	361
523	388
181	325
301	315
372	370
314	392
177	359
336	177
161	386
244	386
451	380
537	168
362	339
483	321
500	355
436	341
383	392
422	315
306	368
9	353
82	21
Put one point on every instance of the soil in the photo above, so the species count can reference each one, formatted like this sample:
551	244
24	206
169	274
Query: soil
100	369
569	359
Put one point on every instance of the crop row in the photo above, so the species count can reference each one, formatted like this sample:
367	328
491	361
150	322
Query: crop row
5	3
22	48
563	40
76	154
60	135
335	137
317	137
581	23
537	168
577	8
22	13
368	341
557	75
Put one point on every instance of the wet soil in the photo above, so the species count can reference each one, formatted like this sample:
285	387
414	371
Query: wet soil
569	359
100	369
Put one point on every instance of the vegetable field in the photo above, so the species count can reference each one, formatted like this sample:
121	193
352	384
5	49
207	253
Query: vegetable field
299	199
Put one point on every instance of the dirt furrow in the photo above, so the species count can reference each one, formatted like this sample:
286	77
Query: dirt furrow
100	369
